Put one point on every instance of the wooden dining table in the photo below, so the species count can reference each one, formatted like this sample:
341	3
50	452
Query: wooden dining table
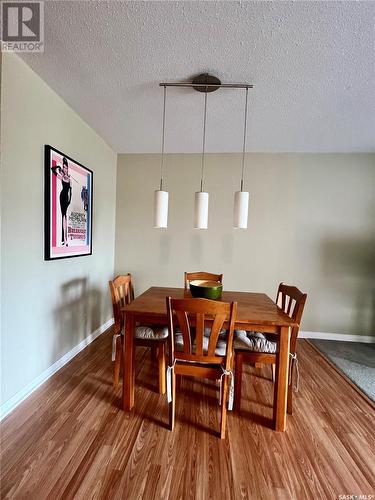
255	311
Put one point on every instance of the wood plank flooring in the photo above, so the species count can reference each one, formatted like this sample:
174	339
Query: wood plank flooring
71	440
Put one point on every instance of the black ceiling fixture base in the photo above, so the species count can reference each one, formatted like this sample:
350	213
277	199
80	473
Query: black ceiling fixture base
212	83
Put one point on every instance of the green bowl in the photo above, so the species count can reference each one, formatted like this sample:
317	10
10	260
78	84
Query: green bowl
206	289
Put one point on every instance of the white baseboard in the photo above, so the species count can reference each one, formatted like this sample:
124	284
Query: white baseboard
21	395
368	339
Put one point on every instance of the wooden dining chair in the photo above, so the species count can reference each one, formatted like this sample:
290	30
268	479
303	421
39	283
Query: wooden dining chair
201	275
257	347
122	293
200	356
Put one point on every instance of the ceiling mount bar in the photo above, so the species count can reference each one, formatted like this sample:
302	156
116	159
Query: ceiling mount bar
207	83
221	85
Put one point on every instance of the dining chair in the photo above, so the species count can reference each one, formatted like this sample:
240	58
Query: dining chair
198	355
122	293
257	347
201	275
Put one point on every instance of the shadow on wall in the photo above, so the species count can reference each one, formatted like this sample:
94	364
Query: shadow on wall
196	248
164	249
77	316
353	262
227	249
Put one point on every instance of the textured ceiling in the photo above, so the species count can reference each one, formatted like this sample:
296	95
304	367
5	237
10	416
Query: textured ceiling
312	65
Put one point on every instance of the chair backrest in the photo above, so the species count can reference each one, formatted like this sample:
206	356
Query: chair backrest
198	313
292	302
122	293
201	275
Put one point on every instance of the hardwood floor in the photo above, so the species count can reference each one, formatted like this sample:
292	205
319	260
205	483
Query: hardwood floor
71	440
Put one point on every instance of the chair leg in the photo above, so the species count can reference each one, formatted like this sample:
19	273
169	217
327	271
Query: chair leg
162	367
172	404
223	422
289	407
154	354
273	368
289	403
238	381
118	356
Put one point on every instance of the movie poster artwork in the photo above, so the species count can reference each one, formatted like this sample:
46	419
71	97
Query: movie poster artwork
68	206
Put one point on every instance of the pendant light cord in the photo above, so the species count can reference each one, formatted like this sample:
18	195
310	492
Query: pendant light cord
163	140
244	139
204	139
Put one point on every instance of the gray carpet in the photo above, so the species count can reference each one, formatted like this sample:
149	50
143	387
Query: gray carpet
356	360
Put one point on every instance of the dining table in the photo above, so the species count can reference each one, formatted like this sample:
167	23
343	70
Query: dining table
255	312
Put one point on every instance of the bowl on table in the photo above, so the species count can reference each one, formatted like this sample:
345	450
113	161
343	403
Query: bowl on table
205	289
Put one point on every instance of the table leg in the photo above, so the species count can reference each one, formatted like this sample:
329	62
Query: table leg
161	367
128	365
281	384
238	363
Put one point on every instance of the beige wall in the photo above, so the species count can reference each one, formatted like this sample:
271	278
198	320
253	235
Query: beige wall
47	307
311	223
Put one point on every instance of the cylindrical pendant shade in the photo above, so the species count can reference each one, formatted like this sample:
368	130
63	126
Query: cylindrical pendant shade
161	209
241	209
201	210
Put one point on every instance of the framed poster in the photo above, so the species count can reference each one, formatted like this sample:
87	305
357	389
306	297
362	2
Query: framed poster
68	206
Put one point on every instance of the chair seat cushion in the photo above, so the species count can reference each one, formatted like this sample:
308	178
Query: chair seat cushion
178	341
207	332
220	346
254	341
148	333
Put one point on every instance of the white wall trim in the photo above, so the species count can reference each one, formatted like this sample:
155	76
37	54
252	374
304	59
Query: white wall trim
368	339
24	393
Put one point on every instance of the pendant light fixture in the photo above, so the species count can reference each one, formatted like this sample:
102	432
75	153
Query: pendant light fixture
201	197
161	196
204	83
241	198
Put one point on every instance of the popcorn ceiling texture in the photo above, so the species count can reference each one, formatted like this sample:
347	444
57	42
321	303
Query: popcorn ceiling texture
312	65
